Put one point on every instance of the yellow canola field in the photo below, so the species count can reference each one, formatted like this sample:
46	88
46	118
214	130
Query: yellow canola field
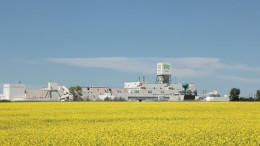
130	123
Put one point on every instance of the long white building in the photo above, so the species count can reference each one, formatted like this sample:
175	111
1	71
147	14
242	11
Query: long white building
162	89
214	96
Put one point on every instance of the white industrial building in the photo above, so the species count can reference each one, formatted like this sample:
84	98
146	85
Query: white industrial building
214	96
14	92
159	92
18	92
93	93
162	90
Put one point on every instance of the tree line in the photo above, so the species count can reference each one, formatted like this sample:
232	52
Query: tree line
235	92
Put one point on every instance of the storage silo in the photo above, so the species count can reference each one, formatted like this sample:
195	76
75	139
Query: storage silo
163	73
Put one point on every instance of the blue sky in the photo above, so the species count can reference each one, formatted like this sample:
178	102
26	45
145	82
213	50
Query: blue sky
214	44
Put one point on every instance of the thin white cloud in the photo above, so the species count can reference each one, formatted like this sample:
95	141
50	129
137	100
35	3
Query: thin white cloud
182	67
116	63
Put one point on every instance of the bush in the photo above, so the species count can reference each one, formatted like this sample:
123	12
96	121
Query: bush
4	100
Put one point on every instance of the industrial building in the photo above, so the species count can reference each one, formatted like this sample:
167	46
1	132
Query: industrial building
18	92
13	92
214	96
162	90
93	93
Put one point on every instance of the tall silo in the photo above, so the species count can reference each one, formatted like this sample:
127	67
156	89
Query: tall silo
163	73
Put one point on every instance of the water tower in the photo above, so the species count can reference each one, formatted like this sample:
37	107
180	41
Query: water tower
185	86
163	73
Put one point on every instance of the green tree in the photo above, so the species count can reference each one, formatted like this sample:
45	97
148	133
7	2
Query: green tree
118	99
107	99
258	95
121	99
76	91
195	92
234	94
